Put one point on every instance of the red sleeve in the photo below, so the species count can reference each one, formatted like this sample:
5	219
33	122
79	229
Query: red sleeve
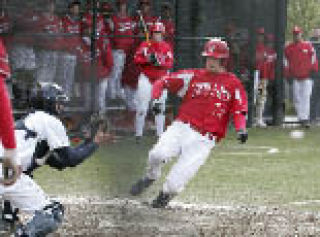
6	119
4	62
141	54
108	57
176	81
168	61
239	107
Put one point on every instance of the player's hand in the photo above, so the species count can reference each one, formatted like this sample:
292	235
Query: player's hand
11	171
157	88
242	136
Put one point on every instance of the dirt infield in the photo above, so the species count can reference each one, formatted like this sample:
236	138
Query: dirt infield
124	217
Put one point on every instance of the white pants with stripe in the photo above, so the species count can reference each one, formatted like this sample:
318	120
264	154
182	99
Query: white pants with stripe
119	58
191	149
142	101
302	90
25	194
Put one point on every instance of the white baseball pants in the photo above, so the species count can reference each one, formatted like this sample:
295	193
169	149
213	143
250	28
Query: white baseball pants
25	194
130	97
119	58
191	149
302	90
142	101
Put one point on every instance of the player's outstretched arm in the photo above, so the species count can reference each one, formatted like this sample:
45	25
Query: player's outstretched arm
64	157
239	111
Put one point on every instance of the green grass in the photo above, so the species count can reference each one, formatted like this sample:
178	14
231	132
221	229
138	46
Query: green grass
234	174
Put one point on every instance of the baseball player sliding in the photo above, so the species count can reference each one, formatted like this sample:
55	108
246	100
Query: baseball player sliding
42	139
210	96
155	58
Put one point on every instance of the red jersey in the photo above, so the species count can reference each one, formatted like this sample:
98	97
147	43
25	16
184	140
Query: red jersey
104	59
72	26
164	59
170	32
209	100
87	17
50	25
268	71
122	28
300	60
6	119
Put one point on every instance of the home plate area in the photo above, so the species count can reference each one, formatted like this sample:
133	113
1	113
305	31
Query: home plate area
126	217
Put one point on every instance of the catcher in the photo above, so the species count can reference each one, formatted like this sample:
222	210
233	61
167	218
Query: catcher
42	139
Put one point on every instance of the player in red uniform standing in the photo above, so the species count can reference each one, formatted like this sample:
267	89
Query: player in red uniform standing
103	65
210	97
6	123
122	27
131	72
300	62
71	24
259	80
88	15
267	75
154	58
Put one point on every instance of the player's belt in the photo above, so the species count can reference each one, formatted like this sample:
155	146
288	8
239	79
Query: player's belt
209	135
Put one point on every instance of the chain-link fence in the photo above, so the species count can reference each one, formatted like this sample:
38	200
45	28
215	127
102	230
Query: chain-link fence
87	47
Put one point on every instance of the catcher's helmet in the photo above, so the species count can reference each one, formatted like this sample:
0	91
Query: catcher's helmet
216	48
45	97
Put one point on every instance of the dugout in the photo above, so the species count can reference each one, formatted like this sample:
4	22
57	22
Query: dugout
196	21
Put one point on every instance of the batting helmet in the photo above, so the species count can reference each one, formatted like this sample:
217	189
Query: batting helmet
216	48
158	27
296	30
46	96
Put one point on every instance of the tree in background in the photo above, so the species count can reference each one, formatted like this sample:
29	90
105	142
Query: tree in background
304	13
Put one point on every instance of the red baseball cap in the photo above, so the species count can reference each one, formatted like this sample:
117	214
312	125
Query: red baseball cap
296	30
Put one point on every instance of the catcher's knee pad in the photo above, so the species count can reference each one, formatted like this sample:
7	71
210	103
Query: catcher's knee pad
43	222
